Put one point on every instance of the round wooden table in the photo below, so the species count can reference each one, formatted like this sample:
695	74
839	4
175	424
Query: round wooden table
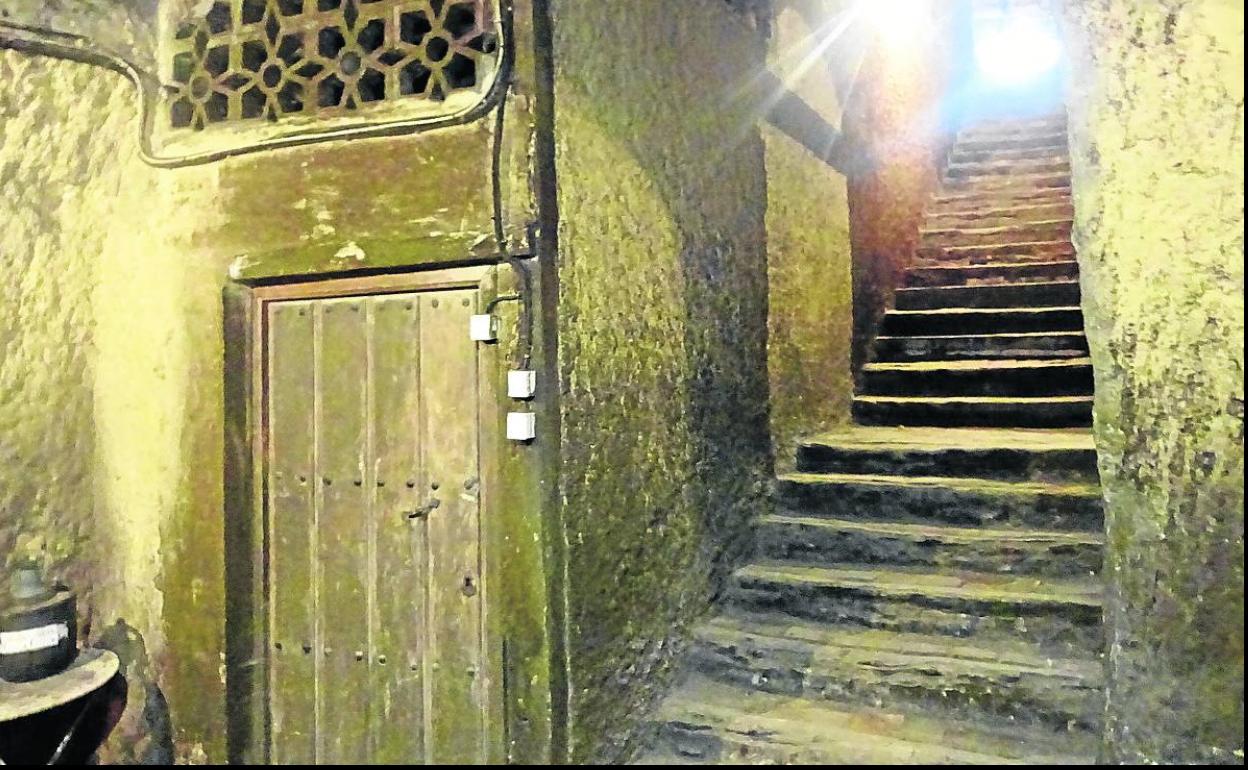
83	680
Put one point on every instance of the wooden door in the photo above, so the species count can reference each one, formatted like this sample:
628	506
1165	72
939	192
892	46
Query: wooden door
373	540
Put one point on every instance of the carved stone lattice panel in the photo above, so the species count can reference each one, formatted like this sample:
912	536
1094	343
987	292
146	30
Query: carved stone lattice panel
267	59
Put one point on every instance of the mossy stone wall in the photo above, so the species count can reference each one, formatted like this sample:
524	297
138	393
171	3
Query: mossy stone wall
662	332
112	401
1157	140
810	314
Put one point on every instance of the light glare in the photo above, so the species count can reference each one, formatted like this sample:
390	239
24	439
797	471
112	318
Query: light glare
896	21
1020	50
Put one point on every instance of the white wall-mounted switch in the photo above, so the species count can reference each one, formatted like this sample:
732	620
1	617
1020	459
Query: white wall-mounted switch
521	426
483	328
521	383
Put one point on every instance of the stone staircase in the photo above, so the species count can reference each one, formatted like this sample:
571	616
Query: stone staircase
926	590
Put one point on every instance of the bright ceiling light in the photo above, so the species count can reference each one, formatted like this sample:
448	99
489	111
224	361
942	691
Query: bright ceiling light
1016	49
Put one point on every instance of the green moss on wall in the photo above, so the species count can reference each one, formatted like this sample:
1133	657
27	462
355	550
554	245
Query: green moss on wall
1157	133
810	312
662	331
99	473
111	414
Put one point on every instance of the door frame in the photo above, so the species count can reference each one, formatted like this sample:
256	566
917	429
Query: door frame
247	630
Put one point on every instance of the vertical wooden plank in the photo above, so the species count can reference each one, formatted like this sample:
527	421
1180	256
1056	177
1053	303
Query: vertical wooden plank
343	533
398	713
499	681
291	374
246	624
449	373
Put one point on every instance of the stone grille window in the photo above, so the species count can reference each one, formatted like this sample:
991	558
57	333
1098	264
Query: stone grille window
268	59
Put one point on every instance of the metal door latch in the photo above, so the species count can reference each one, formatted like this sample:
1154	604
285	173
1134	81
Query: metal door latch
423	511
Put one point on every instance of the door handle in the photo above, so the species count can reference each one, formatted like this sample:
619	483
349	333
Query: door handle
423	511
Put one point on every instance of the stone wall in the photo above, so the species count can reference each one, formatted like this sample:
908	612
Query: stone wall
662	324
111	408
105	445
896	118
810	313
1157	137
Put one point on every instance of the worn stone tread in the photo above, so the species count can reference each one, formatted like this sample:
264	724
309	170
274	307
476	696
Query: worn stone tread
1055	247
909	659
901	671
827	539
964	347
902	583
996	229
944	439
991	487
936	367
941	534
1035	293
964	168
983	200
981	311
1069	411
985	400
708	721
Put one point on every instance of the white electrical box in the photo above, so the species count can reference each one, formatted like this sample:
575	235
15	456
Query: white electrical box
521	426
483	328
521	383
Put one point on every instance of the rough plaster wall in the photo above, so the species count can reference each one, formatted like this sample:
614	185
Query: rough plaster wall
158	436
47	248
662	333
895	119
1157	134
810	313
65	140
112	350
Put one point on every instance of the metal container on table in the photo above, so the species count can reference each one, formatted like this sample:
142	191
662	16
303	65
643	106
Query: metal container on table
38	627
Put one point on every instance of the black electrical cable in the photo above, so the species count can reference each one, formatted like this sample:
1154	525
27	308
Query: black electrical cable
78	48
64	45
500	234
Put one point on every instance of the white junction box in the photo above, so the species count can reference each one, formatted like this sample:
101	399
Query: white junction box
521	426
483	328
521	383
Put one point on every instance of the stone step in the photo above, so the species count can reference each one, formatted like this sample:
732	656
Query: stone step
1049	141
963	347
1012	127
1005	455
1047	250
1020	182
1057	151
1061	615
923	323
991	273
1052	121
998	214
962	411
947	200
827	542
1045	165
1028	294
966	235
709	722
1067	506
899	671
979	377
